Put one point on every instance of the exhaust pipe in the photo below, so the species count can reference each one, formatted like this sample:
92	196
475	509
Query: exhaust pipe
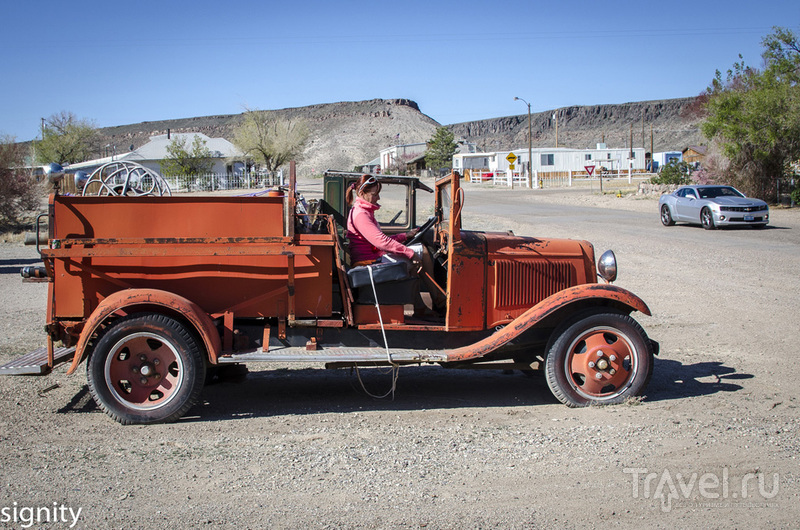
30	238
33	272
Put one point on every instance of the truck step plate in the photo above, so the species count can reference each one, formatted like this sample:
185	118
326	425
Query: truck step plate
335	355
35	362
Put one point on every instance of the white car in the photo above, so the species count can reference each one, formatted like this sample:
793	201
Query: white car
712	206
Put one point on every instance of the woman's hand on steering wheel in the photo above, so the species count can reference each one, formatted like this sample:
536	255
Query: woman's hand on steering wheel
421	231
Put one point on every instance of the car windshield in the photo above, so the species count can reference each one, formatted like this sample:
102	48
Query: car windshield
712	193
394	205
446	202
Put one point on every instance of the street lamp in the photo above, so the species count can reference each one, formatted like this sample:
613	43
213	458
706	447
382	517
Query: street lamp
530	145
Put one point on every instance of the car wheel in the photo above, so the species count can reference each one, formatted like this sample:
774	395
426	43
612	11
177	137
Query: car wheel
666	217
146	368
707	219
599	358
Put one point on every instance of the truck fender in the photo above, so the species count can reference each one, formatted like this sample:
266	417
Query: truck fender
128	298
546	307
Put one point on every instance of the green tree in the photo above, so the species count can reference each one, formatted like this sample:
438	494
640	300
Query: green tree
181	160
754	116
18	191
673	173
66	139
441	148
271	142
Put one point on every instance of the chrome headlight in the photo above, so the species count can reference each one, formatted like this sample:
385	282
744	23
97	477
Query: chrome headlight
81	177
54	173
607	266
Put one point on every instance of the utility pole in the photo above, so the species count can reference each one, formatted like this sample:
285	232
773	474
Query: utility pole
555	115
631	144
643	129
530	146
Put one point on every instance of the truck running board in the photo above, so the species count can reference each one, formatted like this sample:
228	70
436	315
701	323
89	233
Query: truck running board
35	362
336	355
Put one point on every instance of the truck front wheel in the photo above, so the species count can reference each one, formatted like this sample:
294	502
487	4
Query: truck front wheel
598	358
146	368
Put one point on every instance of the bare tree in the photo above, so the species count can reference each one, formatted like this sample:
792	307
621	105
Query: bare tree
18	190
270	141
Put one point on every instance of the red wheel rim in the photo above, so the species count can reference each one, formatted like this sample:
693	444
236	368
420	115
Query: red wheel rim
601	363
144	371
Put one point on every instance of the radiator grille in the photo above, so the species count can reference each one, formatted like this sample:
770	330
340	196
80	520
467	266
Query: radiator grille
525	283
743	208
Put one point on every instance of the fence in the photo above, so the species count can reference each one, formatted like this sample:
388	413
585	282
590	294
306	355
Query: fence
499	177
217	182
198	183
554	179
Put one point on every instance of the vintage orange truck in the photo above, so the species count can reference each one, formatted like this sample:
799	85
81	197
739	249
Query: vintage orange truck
152	293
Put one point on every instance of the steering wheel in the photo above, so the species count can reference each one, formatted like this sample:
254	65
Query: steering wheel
421	232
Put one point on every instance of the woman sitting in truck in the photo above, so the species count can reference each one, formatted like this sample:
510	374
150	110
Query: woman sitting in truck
368	243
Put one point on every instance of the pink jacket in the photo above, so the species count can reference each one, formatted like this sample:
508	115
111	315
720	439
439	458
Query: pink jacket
367	240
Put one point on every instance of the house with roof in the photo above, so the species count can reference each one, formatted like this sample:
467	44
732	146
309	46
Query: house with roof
399	156
695	155
227	159
554	159
410	158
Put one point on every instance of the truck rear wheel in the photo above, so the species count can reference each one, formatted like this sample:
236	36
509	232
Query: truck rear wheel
598	358
146	368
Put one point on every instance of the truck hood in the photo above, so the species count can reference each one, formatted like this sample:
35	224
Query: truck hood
508	244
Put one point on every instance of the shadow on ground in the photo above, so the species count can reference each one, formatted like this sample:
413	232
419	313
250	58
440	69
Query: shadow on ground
310	391
12	266
284	392
674	380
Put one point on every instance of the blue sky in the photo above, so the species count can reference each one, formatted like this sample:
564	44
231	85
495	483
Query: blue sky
125	62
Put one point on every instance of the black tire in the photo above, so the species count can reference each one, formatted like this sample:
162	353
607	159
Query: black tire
573	367
666	217
707	219
146	368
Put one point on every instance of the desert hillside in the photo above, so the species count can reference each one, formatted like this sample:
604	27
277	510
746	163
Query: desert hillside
673	126
347	134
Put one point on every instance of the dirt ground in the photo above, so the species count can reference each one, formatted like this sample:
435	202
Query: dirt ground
714	444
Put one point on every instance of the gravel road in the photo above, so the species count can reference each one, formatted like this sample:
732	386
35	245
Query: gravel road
714	444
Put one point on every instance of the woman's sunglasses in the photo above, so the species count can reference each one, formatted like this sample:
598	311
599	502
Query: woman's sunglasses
370	181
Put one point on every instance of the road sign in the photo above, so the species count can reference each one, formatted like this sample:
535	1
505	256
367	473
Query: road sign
589	169
511	167
511	158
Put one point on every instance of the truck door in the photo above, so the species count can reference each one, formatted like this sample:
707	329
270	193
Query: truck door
466	260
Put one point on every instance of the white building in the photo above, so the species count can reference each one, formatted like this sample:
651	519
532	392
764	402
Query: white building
662	159
554	159
390	157
150	155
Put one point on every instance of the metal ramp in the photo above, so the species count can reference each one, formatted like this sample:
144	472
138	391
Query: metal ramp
35	362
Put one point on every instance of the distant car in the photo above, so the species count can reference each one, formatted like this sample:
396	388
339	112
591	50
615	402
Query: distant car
712	206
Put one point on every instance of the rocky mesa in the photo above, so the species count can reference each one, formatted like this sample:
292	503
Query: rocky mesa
347	134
